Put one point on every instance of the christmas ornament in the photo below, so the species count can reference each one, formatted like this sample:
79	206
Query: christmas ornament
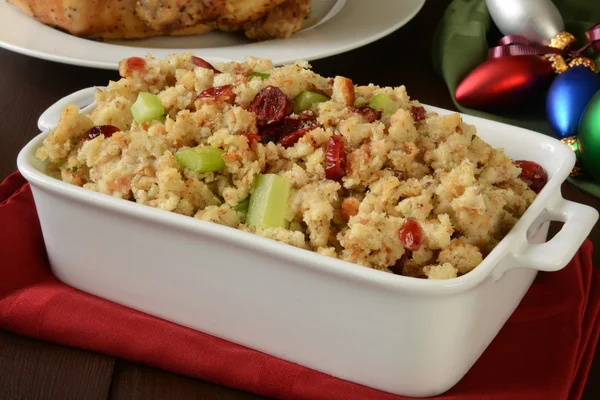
494	85
537	20
504	82
535	50
588	138
569	94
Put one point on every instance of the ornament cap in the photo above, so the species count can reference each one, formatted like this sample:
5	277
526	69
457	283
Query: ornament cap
583	61
571	141
558	63
562	40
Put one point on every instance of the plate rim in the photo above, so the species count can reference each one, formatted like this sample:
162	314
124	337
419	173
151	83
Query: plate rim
107	65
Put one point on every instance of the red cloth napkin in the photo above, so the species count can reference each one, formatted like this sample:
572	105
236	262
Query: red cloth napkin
544	351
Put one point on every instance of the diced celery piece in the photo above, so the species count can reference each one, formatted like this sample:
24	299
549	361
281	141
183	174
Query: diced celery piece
242	206
203	159
260	75
381	102
305	100
147	107
268	206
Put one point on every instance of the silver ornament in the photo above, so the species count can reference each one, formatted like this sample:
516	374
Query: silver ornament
537	20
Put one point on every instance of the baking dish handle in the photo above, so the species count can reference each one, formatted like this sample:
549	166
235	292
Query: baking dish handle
82	98
555	254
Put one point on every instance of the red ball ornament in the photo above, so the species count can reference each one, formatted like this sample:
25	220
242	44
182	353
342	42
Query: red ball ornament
504	82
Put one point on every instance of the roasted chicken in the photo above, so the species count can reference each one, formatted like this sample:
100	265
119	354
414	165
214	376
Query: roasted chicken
130	19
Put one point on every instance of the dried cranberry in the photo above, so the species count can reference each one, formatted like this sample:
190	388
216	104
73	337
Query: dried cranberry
270	133
411	234
532	174
400	176
417	113
198	62
335	159
290	130
131	65
270	106
294	129
292	138
106	130
307	115
219	93
306	119
136	63
368	113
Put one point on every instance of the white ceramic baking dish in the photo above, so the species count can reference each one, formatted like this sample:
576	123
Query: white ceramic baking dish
401	335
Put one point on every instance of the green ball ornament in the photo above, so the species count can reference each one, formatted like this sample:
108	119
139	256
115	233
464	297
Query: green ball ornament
588	137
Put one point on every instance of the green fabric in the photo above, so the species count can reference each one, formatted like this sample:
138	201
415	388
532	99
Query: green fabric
461	43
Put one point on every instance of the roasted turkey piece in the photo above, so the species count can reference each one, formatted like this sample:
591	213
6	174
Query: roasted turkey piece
106	19
281	22
130	19
165	15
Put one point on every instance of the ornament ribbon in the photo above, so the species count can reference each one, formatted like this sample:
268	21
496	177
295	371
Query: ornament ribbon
517	45
593	37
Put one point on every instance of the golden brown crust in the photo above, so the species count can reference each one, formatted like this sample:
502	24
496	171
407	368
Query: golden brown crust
167	15
282	22
192	30
108	19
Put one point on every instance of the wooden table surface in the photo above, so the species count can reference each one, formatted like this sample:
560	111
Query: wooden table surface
32	369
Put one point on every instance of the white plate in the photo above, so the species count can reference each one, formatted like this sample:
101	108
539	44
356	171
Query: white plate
335	26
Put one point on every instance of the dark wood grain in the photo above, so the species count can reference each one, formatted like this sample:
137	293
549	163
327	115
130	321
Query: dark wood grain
135	382
31	369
